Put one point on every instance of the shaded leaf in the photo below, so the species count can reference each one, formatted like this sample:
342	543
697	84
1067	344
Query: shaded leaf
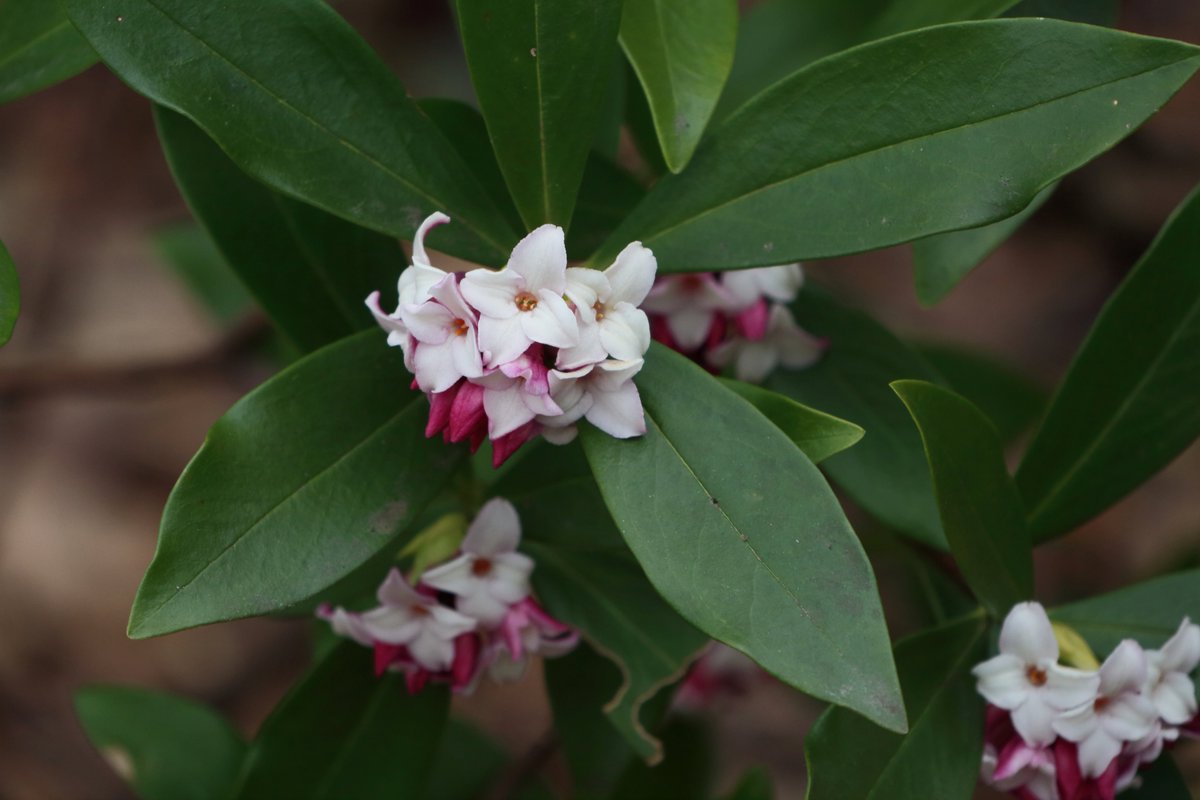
38	47
174	749
466	764
1149	612
681	51
1128	403
1093	12
538	67
686	771
10	295
885	473
606	196
758	554
300	102
1162	780
981	512
819	166
849	757
191	253
754	785
1007	398
301	481
817	434
341	732
640	122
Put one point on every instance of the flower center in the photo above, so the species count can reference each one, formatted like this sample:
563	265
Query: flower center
1036	676
459	326
526	301
419	610
1100	704
481	567
598	307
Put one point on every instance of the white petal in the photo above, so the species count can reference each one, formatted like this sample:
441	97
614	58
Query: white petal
416	282
509	579
454	576
755	361
551	322
482	606
611	376
588	351
502	340
396	591
797	348
1067	688
1033	719
389	324
1181	653
1175	698
431	651
1002	682
349	625
1096	752
1077	724
1027	634
492	294
585	287
391	625
419	256
436	368
468	361
506	410
559	436
496	529
632	274
690	327
429	323
618	413
1124	670
625	331
1129	717
449	623
541	259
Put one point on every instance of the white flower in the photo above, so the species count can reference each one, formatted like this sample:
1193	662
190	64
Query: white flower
1119	713
1168	684
783	343
527	630
490	575
516	393
603	393
691	304
1025	678
746	286
444	327
607	303
523	303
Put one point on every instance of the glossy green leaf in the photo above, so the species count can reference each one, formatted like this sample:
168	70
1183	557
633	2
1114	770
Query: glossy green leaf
941	261
1162	780
606	196
38	47
587	577
816	166
758	554
299	101
686	771
1149	612
343	733
10	295
1006	397
1128	403
681	51
607	139
640	123
849	757
817	434
174	749
310	270
301	481
194	257
981	512
885	473
754	785
466	764
538	67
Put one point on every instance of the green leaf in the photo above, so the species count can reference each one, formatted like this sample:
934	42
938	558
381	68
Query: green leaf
196	260
1162	780
904	15
816	166
941	261
1149	612
299	101
166	747
885	473
1128	403
754	785
301	481
758	554
686	771
538	67
10	295
466	764
1093	12
640	122
342	733
38	47
606	197
1005	396
980	509
682	51
850	758
310	270
587	577
817	434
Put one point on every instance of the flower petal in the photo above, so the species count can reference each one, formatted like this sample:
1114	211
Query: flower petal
492	294
755	361
506	410
502	340
1129	718
618	413
454	576
496	529
551	322
1033	719
1181	653
1001	680
419	256
436	370
1096	753
632	274
690	327
1124	670
585	288
429	323
1175	698
396	591
1067	688
541	259
1027	634
388	323
625	331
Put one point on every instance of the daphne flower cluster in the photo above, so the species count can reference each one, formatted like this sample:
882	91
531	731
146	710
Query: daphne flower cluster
470	615
1058	733
532	348
739	318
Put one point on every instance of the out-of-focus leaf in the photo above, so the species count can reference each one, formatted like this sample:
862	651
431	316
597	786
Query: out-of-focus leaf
681	51
10	295
467	762
298	100
1007	398
686	770
1162	780
759	553
539	67
38	47
941	261
1093	12
173	749
607	194
981	511
848	757
343	733
1128	404
885	473
817	434
819	166
1149	612
301	481
755	785
195	258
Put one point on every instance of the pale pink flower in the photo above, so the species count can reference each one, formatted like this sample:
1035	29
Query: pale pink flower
525	631
782	342
611	324
444	327
780	284
691	304
603	393
1168	684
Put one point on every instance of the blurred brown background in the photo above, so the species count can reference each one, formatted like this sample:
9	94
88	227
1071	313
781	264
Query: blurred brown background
116	372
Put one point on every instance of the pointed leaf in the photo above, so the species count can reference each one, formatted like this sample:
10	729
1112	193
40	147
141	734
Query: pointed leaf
682	51
298	100
758	554
980	509
342	732
173	749
817	434
1149	612
301	481
849	757
816	166
10	295
194	257
1128	403
885	473
1010	400
538	67
38	47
